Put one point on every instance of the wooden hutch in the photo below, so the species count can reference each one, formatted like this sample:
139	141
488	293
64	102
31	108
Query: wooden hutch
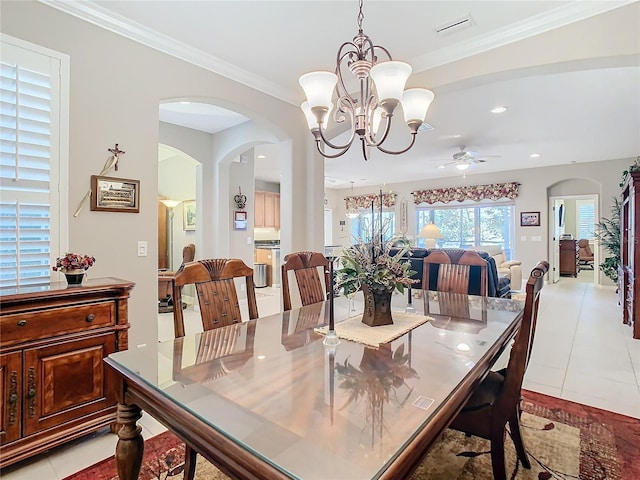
54	385
629	271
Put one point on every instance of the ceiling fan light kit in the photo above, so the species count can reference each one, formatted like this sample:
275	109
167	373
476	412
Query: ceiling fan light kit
370	110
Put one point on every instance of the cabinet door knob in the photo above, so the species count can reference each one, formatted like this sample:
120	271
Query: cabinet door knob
90	317
22	323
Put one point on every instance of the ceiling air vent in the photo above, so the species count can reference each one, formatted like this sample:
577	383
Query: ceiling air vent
456	25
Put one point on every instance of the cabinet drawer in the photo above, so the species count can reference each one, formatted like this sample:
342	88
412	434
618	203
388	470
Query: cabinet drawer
56	321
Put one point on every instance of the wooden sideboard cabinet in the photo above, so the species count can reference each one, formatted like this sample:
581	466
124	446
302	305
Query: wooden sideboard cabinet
53	383
569	257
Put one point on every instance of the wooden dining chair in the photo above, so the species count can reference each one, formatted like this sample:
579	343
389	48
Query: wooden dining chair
496	401
451	271
219	306
216	291
305	267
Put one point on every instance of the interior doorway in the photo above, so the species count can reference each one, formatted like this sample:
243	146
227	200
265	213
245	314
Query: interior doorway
574	218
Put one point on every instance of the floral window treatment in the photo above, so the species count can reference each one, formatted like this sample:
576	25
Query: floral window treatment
495	191
364	201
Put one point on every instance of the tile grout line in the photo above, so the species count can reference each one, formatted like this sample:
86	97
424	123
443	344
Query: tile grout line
573	340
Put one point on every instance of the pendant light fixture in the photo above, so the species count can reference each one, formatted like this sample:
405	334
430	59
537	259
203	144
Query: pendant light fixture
370	110
352	212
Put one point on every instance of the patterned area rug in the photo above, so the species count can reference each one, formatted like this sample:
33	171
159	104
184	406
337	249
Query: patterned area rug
565	440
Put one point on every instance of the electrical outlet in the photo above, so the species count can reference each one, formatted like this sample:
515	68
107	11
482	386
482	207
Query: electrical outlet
249	241
142	248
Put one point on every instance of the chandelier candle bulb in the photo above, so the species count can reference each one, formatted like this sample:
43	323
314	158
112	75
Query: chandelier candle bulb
390	79
318	87
415	103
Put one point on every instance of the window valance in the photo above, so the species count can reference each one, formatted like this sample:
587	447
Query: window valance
494	191
364	201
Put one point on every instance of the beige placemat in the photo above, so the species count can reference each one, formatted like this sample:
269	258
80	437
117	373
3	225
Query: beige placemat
353	329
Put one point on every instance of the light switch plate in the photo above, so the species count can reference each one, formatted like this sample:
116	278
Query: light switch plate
142	248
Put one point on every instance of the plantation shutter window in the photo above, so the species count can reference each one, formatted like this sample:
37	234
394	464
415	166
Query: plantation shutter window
30	166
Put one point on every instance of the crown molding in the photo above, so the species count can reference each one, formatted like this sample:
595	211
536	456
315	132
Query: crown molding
541	23
558	17
120	25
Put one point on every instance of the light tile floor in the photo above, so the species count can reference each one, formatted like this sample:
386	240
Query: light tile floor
582	353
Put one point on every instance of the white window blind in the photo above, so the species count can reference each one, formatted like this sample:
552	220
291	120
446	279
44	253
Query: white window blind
30	220
586	218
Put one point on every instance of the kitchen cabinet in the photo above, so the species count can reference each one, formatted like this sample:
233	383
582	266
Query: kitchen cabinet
267	210
54	385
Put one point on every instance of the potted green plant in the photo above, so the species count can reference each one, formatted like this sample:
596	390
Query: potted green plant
369	265
608	234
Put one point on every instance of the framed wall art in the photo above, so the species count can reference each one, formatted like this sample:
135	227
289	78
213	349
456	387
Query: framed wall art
239	220
189	215
110	194
529	219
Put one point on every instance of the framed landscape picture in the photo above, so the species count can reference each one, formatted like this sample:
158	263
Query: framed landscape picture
529	219
189	214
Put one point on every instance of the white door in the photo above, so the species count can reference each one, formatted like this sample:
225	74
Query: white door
557	229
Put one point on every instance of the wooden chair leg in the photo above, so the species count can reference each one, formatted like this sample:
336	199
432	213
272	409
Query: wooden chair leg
189	463
497	455
516	436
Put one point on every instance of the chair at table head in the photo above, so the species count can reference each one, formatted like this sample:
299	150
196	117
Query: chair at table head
496	400
453	271
304	267
216	290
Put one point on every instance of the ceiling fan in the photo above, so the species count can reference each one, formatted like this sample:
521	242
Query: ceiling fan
465	159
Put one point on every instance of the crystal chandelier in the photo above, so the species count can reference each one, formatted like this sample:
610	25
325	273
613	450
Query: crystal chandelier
370	111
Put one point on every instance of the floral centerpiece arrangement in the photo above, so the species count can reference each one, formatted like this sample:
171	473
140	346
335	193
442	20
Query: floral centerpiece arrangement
73	261
370	266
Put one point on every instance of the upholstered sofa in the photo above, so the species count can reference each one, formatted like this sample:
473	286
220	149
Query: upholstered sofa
512	269
497	285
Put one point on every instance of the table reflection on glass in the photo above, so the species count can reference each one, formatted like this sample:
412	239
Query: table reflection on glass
266	398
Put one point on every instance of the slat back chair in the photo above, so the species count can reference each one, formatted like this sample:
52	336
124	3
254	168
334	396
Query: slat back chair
453	271
216	290
496	401
219	307
305	266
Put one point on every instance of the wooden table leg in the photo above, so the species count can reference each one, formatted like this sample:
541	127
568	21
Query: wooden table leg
130	446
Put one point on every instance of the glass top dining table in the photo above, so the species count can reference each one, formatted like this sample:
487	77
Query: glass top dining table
267	399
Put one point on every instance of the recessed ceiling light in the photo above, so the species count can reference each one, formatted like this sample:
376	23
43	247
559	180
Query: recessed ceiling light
261	156
440	166
261	357
463	347
534	155
499	110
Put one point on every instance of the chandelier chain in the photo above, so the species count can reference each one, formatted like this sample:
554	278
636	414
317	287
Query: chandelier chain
360	16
